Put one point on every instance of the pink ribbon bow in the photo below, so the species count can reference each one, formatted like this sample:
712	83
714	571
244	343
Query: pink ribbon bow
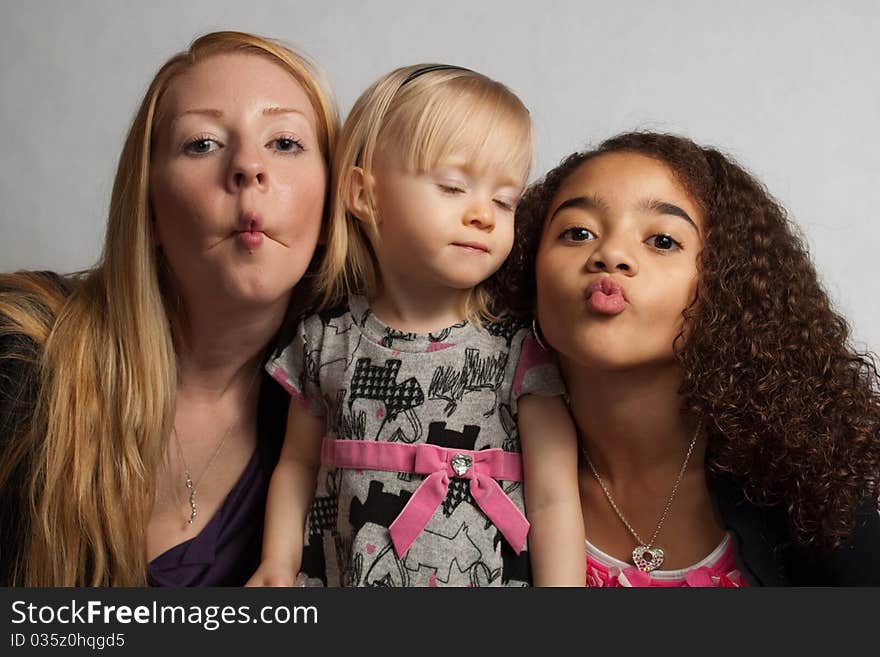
481	467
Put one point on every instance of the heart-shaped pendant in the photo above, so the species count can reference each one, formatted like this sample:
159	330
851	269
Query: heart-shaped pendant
647	559
461	463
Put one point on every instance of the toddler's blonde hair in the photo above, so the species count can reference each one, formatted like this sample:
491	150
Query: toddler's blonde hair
422	114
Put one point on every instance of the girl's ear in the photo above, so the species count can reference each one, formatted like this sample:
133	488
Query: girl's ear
360	195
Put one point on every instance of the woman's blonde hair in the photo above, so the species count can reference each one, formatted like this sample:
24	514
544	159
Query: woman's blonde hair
422	114
107	367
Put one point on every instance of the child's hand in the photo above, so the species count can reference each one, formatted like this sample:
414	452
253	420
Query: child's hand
273	573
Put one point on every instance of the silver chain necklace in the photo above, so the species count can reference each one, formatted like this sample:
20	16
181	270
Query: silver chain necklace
646	556
192	487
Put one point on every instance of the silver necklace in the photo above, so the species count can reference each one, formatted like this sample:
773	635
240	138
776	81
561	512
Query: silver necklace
193	486
646	556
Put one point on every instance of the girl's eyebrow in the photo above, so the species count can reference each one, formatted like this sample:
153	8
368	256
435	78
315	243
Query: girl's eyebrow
589	203
663	207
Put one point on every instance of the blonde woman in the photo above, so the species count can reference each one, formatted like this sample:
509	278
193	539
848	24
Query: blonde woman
136	436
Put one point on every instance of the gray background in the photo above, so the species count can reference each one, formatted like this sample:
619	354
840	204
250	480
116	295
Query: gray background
789	88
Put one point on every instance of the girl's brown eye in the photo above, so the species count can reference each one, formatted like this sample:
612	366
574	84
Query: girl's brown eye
663	242
578	234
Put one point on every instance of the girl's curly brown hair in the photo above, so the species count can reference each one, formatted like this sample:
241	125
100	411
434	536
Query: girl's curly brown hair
791	410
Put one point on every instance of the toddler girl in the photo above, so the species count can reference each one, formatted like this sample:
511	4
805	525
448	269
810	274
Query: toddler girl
401	465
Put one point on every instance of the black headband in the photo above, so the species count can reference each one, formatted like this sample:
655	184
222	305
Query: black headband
430	68
419	72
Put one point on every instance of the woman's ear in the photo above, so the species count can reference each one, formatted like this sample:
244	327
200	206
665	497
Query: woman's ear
360	195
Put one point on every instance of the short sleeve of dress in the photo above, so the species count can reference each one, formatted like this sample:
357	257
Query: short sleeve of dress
536	371
296	367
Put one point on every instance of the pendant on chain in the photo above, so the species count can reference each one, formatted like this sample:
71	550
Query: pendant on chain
648	558
193	512
190	484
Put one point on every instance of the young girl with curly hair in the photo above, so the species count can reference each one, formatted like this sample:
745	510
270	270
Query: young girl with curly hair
729	433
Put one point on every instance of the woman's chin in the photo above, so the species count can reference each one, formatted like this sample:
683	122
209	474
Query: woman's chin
258	294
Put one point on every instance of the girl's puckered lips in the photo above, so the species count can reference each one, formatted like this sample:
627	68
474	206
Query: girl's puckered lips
606	296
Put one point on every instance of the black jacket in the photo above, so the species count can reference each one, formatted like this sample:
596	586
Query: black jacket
768	557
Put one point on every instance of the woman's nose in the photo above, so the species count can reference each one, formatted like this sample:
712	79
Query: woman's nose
247	168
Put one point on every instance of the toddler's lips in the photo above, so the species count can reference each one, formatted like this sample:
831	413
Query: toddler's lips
472	246
606	296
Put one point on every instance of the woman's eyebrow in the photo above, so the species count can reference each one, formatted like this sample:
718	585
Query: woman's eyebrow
282	110
589	203
663	207
218	114
200	110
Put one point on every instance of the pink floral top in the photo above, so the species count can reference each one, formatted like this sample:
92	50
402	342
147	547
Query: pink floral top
717	569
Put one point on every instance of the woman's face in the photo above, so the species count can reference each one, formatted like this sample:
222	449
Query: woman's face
617	263
237	180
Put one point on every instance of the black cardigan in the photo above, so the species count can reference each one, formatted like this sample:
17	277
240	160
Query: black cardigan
766	556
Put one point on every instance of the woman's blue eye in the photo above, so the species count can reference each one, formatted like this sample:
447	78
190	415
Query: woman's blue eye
200	146
578	234
663	242
287	144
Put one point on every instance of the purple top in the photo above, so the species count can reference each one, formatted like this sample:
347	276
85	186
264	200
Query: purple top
227	551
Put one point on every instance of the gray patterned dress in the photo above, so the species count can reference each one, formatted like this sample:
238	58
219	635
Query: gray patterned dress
457	389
